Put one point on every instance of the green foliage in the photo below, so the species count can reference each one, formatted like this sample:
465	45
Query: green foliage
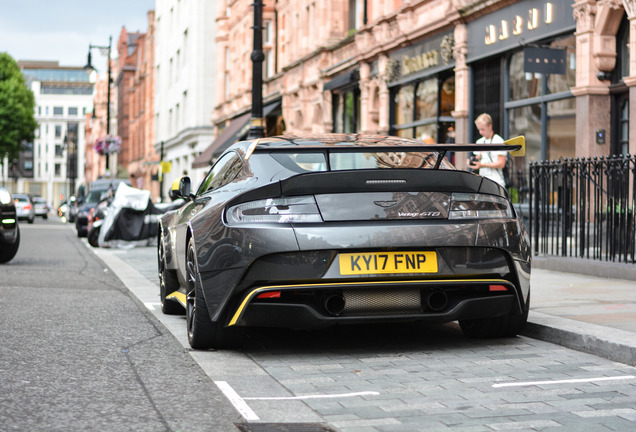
17	104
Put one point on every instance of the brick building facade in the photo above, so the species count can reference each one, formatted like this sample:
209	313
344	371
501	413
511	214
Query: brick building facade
417	68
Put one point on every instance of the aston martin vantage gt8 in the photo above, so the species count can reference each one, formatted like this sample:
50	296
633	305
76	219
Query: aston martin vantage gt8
318	230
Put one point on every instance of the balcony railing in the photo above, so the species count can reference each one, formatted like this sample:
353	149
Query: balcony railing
584	208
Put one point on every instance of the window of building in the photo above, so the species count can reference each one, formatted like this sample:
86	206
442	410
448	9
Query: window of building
185	47
58	111
58	169
541	106
72	111
353	15
267	32
59	151
346	110
58	131
422	109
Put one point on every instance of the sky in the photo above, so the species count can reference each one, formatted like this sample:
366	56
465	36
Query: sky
61	30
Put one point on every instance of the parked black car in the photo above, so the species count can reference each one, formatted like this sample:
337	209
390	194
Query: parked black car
9	229
321	230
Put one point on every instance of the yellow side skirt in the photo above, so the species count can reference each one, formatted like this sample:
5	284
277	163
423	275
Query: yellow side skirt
178	296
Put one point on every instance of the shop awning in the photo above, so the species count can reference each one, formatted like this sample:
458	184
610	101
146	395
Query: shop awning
236	130
227	137
344	80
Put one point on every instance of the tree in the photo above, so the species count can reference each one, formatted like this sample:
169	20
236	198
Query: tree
17	104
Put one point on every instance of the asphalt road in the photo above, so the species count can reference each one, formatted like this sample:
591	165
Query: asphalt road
86	350
79	353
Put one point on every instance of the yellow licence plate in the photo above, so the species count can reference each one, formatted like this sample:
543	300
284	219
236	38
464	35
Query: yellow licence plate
387	262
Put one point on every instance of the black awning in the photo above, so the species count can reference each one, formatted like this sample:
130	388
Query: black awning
343	80
226	138
235	131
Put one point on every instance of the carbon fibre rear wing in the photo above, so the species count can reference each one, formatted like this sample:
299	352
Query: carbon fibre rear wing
516	146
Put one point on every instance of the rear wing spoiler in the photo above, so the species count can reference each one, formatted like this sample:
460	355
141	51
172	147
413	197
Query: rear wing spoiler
516	146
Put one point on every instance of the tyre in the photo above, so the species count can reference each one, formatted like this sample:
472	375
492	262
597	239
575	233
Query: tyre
168	283
496	327
8	251
31	220
93	236
202	332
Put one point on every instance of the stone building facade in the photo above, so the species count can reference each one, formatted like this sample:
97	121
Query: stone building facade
63	96
135	85
417	68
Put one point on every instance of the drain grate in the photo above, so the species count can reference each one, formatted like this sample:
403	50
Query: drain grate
284	427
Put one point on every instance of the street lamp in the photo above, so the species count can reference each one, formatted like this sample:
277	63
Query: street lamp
257	129
89	66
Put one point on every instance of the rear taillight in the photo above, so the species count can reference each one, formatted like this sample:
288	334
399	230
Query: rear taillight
276	210
479	206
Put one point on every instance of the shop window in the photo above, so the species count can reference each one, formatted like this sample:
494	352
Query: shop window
559	83
526	121
346	110
404	105
426	99
561	129
523	85
422	110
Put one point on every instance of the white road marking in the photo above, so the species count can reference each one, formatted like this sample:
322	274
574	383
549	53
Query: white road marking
237	401
152	306
568	381
341	395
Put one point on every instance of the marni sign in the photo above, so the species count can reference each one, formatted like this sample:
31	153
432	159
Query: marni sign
525	22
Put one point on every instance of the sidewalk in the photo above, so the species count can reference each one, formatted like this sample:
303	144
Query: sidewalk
592	314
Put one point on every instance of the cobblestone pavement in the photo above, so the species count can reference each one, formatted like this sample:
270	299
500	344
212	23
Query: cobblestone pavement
411	377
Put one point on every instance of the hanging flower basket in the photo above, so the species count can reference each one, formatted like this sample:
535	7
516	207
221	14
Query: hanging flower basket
107	144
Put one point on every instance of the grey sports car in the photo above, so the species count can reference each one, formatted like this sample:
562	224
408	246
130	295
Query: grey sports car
312	231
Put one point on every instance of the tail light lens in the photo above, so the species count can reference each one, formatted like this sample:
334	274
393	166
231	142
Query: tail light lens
479	206
277	210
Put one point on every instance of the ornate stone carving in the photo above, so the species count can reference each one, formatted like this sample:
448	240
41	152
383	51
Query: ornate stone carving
584	14
630	8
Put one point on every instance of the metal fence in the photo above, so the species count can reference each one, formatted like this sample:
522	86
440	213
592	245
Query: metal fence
583	208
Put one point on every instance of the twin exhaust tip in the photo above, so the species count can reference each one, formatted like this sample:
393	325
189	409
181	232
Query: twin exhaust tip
335	302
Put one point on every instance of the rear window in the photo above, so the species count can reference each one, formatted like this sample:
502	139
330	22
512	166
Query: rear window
312	162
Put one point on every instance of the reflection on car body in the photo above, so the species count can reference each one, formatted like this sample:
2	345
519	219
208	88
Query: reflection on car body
321	230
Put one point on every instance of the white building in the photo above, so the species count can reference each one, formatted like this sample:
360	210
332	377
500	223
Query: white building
184	84
63	96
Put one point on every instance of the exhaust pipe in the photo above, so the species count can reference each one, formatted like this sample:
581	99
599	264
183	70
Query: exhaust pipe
334	303
436	300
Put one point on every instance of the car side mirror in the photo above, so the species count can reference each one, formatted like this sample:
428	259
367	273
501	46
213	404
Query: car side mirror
181	188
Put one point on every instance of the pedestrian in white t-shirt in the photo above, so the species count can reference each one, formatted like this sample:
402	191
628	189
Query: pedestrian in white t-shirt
489	164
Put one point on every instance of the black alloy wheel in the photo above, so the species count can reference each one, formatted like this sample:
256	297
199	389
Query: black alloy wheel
201	330
8	251
168	283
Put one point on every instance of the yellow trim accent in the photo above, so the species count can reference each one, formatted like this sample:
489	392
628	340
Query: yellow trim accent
251	149
178	296
248	297
520	140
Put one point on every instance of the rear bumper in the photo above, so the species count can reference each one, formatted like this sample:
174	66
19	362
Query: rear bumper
324	304
302	316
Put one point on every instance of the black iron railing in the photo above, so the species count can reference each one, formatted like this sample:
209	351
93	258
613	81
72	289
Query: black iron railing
584	208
